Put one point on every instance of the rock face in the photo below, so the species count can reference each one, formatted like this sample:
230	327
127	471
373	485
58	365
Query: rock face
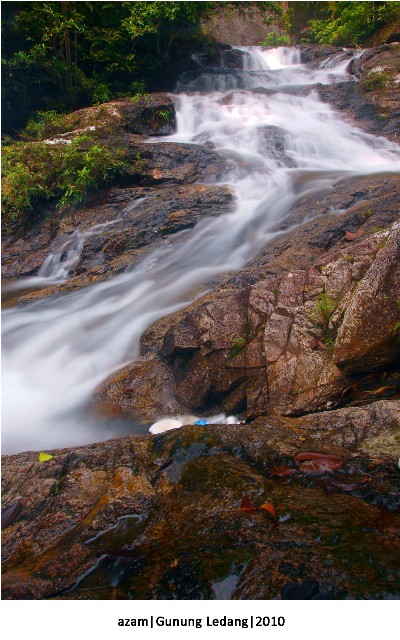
160	517
369	334
267	340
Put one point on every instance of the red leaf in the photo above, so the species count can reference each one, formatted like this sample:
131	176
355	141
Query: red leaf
267	506
350	235
315	455
282	471
246	505
320	465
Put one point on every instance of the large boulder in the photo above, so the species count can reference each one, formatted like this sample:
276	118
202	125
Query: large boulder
262	342
369	336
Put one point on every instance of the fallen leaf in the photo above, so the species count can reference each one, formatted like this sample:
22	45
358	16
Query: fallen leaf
350	235
10	513
320	465
315	455
267	506
43	457
246	505
282	471
316	343
351	485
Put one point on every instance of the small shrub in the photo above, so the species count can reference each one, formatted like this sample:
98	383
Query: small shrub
240	342
101	93
165	114
329	343
137	88
275	39
322	312
238	346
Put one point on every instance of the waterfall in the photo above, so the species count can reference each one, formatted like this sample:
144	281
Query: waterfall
57	350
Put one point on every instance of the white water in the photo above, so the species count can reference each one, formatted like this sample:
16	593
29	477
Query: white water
56	351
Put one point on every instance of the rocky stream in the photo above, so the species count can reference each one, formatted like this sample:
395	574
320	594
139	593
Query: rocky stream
250	265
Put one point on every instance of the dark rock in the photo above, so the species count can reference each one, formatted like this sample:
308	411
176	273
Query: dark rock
151	115
313	55
140	217
374	102
166	511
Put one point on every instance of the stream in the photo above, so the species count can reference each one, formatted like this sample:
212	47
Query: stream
56	351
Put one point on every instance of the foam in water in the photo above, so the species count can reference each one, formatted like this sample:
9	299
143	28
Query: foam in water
57	350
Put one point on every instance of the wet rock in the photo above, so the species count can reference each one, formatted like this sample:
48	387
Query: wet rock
371	430
145	388
374	100
113	520
274	139
134	219
313	55
170	162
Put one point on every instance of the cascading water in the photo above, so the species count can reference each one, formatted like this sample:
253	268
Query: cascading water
57	350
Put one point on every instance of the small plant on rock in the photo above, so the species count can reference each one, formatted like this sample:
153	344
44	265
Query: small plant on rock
322	312
240	342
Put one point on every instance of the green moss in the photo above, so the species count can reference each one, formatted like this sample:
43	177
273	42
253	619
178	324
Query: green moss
329	343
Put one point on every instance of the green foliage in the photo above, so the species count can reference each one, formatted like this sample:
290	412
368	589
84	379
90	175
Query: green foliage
165	114
101	93
329	343
375	81
238	346
240	342
77	53
137	88
351	23
274	39
45	124
35	173
322	312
